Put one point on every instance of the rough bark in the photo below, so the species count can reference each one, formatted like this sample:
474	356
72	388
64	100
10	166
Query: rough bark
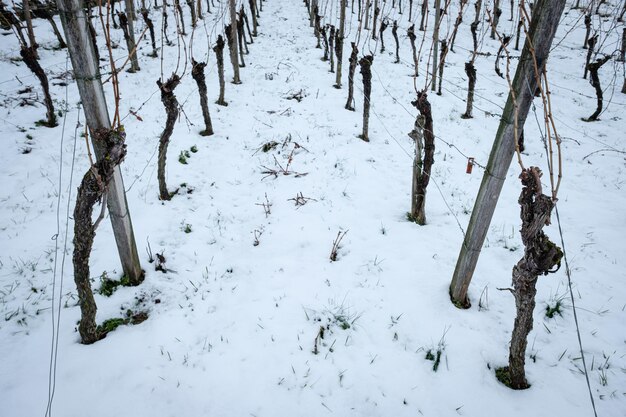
148	21
231	33
331	45
587	29
470	70
594	67
591	44
540	257
412	37
365	64
622	52
171	108
520	24
29	56
442	63
318	29
199	9
181	19
394	32
477	7
89	82
503	44
457	23
374	20
339	42
192	10
244	16
424	12
424	161
219	56
324	36
241	36
438	19
543	26
8	20
255	22
383	26
43	11
29	27
197	72
164	14
94	42
92	189
496	18
130	42
351	70
417	134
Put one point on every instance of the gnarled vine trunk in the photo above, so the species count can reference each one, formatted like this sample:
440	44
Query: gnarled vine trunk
171	108
540	257
219	56
197	72
92	189
28	54
352	68
366	71
421	174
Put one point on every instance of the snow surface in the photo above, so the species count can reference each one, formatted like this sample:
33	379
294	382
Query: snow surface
232	326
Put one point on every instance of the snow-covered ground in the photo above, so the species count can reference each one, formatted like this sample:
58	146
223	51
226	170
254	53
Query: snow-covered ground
233	323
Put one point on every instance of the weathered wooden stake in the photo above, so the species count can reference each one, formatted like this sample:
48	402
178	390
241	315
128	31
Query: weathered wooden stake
129	37
233	35
433	85
339	42
542	29
88	79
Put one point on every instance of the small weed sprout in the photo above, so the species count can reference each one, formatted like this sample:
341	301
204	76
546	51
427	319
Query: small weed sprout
257	235
108	286
555	307
185	227
267	206
435	354
333	318
160	262
182	158
483	302
334	253
301	200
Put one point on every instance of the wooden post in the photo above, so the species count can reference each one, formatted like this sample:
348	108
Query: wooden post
339	42
542	29
29	26
129	5
433	85
234	59
88	79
